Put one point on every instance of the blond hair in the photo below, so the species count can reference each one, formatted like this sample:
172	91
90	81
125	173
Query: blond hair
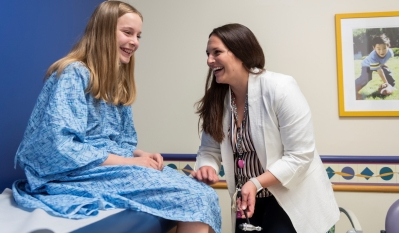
110	80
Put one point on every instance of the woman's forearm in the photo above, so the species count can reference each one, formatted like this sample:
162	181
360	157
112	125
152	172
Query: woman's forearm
267	179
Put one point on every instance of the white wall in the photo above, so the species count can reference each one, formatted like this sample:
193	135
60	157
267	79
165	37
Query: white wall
298	38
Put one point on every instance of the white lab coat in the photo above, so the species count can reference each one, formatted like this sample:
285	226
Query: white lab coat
282	133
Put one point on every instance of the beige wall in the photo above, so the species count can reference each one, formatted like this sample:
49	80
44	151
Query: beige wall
298	38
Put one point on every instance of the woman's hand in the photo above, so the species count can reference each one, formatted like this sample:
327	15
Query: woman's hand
206	174
249	191
248	199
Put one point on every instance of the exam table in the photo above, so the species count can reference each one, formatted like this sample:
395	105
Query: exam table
16	220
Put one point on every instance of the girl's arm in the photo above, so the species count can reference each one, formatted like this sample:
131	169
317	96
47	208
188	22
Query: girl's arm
141	158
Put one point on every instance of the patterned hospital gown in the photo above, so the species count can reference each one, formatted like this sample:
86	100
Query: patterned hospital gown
68	136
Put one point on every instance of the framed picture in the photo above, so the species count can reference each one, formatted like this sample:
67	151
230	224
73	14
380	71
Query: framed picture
368	63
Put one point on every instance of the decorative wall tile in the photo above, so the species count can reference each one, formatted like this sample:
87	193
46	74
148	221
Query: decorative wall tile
331	170
172	164
186	167
347	173
386	174
367	173
397	173
222	175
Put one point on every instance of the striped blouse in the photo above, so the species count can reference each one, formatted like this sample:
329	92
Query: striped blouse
252	167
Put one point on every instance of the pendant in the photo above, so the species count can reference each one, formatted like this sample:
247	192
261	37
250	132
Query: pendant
241	163
239	214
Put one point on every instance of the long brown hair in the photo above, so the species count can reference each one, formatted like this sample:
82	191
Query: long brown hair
244	45
98	50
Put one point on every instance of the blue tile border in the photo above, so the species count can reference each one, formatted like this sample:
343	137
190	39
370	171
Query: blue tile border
348	178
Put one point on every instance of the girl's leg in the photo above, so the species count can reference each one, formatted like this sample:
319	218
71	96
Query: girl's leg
195	227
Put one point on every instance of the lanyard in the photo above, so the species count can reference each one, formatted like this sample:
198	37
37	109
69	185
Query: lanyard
239	135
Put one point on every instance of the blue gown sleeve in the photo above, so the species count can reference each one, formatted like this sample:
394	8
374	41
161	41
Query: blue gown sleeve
129	135
54	141
124	141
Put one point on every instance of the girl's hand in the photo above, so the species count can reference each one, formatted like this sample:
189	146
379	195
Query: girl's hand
141	158
248	199
206	174
147	159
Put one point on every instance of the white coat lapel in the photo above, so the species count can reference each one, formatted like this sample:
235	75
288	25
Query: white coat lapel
256	112
225	147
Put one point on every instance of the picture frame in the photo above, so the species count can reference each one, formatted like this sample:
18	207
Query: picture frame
368	79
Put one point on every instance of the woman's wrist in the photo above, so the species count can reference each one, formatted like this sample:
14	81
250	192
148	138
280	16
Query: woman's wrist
257	184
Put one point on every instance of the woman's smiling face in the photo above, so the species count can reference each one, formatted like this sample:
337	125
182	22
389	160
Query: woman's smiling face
225	65
128	33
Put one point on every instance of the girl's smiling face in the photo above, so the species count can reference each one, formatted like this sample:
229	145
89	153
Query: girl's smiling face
226	67
128	33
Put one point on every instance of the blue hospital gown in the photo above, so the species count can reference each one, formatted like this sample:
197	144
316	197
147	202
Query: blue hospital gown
68	136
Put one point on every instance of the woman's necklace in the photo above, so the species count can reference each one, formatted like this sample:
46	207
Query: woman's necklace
239	148
239	136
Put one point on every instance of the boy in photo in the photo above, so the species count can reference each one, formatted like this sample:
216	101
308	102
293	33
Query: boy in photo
375	61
